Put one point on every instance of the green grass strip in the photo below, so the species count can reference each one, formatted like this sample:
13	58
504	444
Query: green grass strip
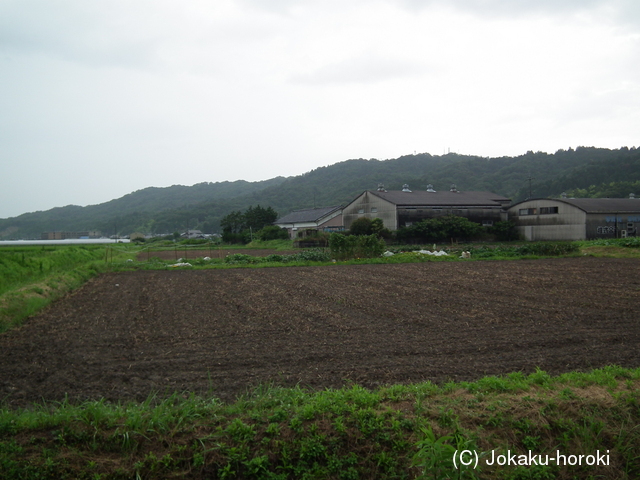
399	431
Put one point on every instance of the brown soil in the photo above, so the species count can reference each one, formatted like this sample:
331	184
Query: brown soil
125	335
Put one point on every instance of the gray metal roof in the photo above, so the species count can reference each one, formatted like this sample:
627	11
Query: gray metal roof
444	198
307	215
603	205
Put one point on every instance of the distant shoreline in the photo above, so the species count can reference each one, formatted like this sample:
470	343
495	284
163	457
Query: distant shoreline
69	241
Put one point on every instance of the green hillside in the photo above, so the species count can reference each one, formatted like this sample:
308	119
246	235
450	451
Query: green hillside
165	210
136	209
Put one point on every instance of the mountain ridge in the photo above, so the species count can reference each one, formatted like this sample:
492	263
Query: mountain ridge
202	206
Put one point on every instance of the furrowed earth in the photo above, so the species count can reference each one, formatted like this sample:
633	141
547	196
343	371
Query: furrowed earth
124	336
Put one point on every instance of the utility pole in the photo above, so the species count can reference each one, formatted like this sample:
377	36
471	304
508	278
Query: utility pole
529	179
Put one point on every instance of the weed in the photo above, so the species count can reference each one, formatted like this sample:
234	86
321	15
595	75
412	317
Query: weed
435	457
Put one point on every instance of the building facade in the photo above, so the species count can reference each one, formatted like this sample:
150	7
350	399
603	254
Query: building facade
576	218
308	221
403	208
69	235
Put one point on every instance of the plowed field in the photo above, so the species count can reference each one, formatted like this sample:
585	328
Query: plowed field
125	335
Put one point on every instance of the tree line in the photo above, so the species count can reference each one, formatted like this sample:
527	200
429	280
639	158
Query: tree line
241	227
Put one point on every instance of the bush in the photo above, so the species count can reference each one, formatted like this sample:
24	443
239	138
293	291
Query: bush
272	232
229	237
361	226
441	229
548	249
505	231
240	258
352	246
366	226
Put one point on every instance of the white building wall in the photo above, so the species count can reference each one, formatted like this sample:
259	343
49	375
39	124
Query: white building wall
569	223
552	232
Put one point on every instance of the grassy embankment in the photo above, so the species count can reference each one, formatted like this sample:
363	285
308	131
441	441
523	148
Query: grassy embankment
401	431
31	277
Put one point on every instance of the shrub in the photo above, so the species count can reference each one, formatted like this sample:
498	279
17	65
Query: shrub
350	246
240	258
361	226
505	231
441	229
342	246
272	232
547	249
230	237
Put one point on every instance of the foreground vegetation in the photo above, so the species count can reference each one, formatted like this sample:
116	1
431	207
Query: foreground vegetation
401	431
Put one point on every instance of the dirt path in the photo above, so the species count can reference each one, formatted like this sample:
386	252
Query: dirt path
124	335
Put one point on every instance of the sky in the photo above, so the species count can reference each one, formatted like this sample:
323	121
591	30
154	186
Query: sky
102	98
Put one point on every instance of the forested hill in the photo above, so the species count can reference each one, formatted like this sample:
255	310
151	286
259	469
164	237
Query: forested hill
137	208
160	210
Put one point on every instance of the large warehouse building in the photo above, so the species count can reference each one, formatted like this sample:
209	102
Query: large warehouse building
576	218
402	208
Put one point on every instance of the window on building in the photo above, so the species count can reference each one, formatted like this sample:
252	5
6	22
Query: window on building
548	210
374	210
527	211
487	223
361	210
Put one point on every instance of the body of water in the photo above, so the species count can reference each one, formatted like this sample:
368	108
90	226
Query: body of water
69	241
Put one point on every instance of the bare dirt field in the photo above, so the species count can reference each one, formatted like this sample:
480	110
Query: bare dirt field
125	335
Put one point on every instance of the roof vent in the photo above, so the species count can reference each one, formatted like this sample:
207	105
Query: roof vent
381	187
430	188
632	195
453	188
405	188
563	195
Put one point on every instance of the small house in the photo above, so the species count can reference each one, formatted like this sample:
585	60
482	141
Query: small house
300	223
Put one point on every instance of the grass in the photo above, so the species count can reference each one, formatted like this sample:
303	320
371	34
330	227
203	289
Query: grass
32	277
399	431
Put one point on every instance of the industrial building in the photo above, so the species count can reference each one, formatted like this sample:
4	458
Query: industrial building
576	218
402	208
69	235
308	221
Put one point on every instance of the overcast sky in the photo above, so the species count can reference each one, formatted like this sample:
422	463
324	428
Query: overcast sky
102	98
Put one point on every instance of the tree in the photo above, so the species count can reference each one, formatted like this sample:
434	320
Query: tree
259	217
361	226
233	222
237	226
